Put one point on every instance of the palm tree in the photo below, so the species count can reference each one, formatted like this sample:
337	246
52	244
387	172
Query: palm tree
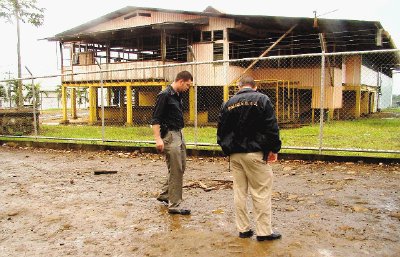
29	94
81	94
3	94
12	92
25	11
59	94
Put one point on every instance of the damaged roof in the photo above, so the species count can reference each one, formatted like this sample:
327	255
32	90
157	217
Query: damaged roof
273	24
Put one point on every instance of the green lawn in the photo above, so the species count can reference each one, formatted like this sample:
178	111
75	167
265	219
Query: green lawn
363	133
392	110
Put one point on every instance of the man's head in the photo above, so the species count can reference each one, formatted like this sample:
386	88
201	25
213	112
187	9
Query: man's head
247	81
182	81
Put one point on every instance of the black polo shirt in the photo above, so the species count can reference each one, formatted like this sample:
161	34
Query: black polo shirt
168	112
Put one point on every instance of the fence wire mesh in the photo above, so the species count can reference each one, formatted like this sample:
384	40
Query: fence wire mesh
356	104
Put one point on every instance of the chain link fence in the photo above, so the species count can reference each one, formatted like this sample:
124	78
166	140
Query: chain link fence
323	102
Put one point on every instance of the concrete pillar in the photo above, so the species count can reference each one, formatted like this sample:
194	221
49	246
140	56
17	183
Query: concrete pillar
64	104
312	116
357	113
92	105
331	114
109	96
191	104
129	113
73	104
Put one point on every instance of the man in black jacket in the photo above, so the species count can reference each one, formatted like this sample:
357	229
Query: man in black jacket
248	132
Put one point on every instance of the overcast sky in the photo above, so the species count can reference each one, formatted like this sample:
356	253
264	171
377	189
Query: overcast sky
41	56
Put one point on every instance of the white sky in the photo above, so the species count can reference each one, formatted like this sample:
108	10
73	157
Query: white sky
41	58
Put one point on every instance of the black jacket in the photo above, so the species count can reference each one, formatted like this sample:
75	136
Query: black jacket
247	123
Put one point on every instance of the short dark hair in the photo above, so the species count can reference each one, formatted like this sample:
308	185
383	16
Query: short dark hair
185	75
247	80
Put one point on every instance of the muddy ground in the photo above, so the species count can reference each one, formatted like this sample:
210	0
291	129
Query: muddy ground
52	204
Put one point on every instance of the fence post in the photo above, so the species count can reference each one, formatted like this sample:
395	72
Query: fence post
195	106
33	103
102	102
194	71
322	98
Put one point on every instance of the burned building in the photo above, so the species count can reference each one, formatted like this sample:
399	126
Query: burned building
141	50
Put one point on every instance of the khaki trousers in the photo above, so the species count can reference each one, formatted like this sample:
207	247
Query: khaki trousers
175	156
251	174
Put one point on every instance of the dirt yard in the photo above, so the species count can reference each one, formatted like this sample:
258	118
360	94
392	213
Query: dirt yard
53	204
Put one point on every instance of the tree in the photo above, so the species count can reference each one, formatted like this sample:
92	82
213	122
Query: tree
81	94
29	94
3	93
12	92
25	11
59	94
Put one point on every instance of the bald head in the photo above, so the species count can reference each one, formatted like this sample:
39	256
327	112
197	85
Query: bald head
247	81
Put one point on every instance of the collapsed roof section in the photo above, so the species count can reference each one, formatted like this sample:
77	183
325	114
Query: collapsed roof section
256	26
139	29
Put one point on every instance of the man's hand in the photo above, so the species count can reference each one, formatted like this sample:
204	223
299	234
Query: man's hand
272	157
159	142
160	145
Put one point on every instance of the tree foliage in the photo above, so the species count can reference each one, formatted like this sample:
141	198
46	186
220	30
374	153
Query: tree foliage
27	11
3	92
28	97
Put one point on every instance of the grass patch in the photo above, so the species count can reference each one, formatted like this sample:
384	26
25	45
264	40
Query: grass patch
373	133
392	110
363	133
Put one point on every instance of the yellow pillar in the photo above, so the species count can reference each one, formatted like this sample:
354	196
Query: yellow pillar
277	101
331	114
372	102
312	115
191	104
129	114
64	104
226	93
92	105
73	104
358	103
108	96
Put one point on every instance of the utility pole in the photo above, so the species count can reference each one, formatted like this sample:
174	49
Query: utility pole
20	101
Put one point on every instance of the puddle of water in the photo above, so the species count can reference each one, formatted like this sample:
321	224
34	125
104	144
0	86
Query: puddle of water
325	252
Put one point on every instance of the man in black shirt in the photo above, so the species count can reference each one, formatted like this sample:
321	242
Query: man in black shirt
167	126
248	132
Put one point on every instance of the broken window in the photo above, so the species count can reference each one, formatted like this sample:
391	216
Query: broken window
206	35
218	35
218	51
196	36
130	16
144	14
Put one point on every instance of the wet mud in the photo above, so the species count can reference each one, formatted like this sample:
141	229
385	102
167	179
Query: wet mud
52	203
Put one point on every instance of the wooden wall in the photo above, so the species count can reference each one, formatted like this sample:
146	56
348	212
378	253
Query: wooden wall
156	17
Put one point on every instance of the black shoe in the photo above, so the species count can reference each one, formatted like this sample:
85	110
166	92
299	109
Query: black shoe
163	200
271	237
179	211
246	234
